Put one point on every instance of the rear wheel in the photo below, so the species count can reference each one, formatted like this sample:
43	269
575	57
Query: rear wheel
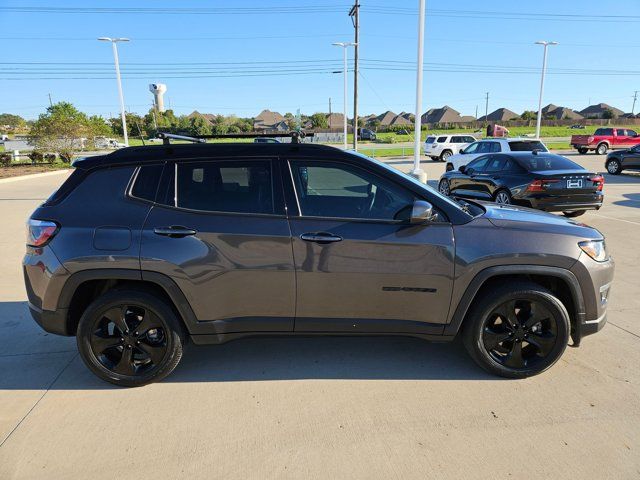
445	155
602	149
503	197
519	330
614	167
444	187
575	213
130	338
582	150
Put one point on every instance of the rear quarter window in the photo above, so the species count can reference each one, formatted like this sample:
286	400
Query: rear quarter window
442	139
75	179
146	182
430	139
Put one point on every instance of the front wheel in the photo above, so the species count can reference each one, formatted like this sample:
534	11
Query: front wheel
130	338
575	213
614	167
602	149
517	330
444	187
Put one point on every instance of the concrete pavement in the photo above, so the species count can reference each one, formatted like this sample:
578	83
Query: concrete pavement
324	407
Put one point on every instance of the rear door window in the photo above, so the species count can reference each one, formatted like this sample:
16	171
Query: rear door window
604	131
495	164
225	186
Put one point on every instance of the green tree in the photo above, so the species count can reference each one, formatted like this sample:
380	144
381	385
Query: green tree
608	113
133	121
13	122
199	125
319	120
63	129
529	115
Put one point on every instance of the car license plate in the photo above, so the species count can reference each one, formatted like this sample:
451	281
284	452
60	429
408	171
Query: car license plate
574	183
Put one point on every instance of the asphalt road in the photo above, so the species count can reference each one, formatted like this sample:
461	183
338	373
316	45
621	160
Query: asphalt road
324	407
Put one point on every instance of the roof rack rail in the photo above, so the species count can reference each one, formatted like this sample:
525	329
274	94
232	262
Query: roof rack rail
296	137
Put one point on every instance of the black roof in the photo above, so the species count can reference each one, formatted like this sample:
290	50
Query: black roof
155	153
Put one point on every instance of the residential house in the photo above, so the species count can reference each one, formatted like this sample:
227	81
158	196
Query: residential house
499	115
444	114
335	120
268	120
598	111
560	113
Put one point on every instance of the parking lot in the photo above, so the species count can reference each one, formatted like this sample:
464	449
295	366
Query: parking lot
324	407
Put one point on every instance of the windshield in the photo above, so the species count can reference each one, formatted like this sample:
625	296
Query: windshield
540	163
527	146
392	170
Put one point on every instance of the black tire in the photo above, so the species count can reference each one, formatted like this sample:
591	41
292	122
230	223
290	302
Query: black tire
583	151
521	352
449	167
575	213
444	187
115	354
503	197
602	148
614	167
445	155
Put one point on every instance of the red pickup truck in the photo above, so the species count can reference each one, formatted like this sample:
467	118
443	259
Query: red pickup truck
604	139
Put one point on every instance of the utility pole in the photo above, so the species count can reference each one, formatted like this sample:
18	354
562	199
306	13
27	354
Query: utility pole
476	112
329	113
486	108
117	65
344	46
635	96
417	171
354	13
51	103
545	44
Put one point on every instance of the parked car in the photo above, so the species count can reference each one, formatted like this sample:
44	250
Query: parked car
620	160
366	134
265	140
577	127
538	180
146	247
402	132
605	139
441	147
493	145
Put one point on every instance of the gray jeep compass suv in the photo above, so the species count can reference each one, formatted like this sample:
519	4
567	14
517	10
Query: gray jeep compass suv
147	247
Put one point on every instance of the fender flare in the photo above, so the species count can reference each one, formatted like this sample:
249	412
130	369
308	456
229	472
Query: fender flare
492	272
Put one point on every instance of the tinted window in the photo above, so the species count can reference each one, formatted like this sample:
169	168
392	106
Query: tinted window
537	163
225	186
512	166
430	139
469	139
442	139
146	182
478	164
524	146
495	164
621	132
329	189
473	148
488	147
632	133
604	131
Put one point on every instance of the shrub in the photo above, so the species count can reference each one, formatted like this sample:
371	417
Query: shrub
66	156
36	156
5	159
50	158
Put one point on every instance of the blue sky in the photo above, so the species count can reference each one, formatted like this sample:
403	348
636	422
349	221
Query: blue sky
473	52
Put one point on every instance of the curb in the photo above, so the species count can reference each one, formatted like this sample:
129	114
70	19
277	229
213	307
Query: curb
33	175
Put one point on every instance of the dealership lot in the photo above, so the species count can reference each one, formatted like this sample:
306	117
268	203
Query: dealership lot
324	407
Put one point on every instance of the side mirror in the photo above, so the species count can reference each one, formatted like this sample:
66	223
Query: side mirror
422	212
461	152
462	168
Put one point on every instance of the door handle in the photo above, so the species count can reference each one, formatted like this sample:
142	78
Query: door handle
320	237
174	231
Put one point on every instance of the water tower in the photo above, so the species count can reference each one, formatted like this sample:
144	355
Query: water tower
158	90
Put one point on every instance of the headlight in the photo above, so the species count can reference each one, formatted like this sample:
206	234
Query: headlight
596	249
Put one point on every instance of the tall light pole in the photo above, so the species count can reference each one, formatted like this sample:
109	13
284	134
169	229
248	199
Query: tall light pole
117	62
417	170
344	46
544	69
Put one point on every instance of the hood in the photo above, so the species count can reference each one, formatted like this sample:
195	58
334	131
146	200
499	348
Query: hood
521	218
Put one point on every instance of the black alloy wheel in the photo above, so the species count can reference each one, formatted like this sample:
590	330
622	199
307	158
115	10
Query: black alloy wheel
444	187
130	337
129	340
520	333
503	197
516	328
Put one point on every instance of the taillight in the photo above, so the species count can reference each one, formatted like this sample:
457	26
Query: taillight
597	180
40	232
539	185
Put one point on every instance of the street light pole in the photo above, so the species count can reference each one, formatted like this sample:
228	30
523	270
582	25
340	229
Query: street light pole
117	63
544	69
417	170
344	46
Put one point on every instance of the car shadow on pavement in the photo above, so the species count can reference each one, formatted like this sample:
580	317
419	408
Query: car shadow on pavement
32	359
631	200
